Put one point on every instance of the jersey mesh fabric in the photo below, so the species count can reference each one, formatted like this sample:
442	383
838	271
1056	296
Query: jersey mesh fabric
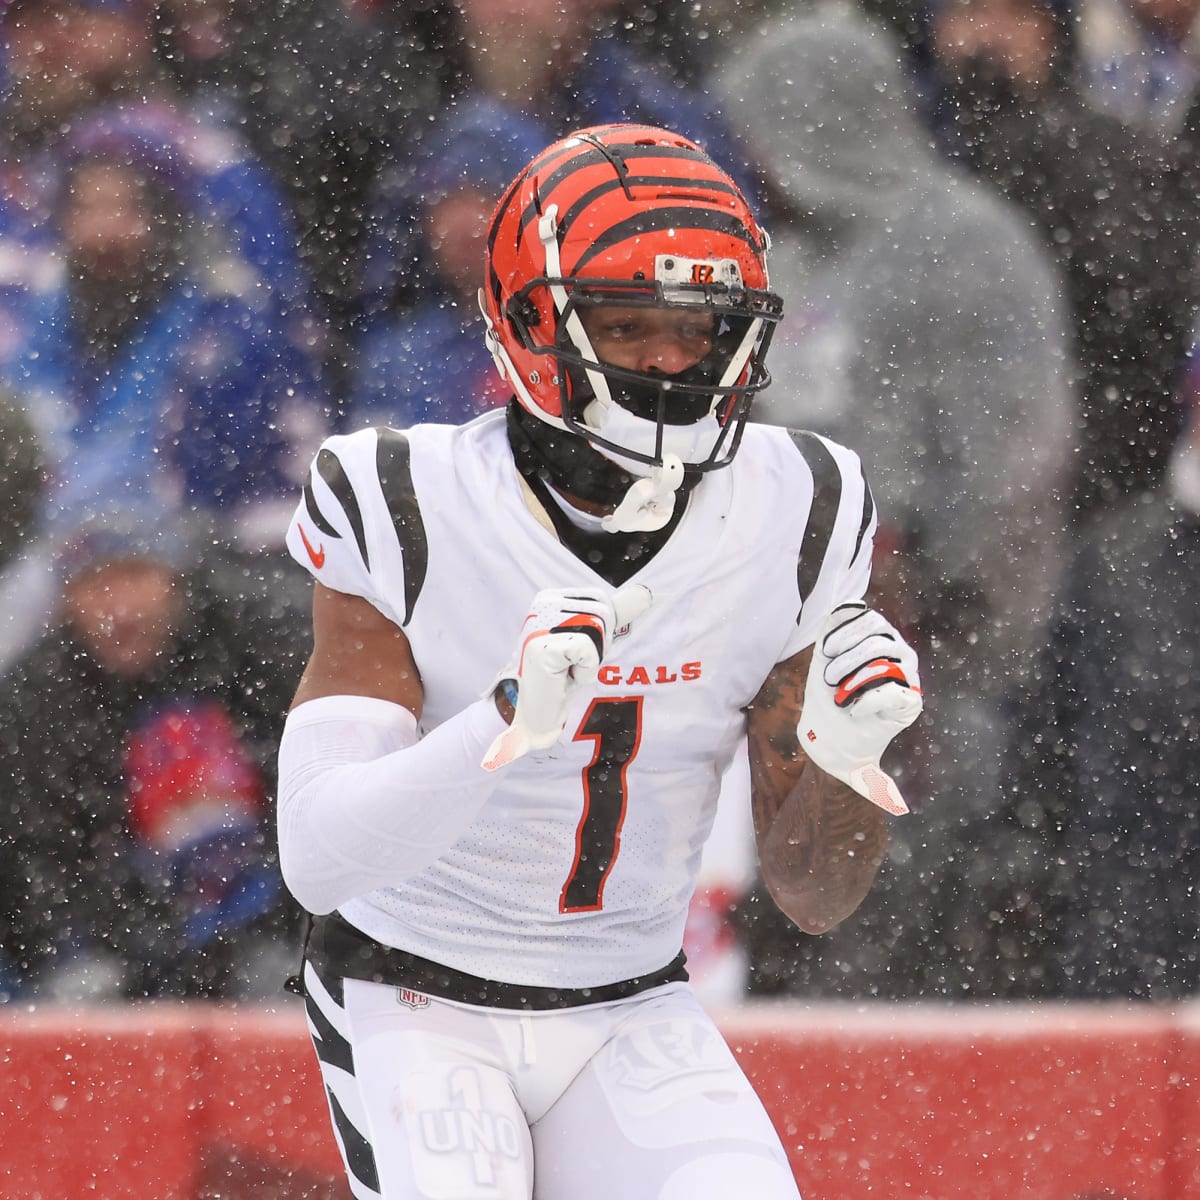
578	870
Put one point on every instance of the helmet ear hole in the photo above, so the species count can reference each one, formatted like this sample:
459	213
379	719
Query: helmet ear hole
522	311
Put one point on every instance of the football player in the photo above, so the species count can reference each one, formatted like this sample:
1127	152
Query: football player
539	639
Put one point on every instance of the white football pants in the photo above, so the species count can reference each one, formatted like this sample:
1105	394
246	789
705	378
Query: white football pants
638	1098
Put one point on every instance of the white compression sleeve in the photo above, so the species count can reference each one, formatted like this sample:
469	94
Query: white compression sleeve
364	803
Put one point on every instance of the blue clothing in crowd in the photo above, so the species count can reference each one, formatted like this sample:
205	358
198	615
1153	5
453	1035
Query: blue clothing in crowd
428	362
221	185
203	402
611	83
429	366
213	397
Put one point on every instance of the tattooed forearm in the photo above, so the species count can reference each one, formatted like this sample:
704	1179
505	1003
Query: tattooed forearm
822	851
771	737
820	844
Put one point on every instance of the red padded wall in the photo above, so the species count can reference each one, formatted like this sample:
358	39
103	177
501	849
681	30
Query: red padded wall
99	1104
1053	1102
1050	1103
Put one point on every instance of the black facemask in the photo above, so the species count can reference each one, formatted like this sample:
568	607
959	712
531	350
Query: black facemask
682	405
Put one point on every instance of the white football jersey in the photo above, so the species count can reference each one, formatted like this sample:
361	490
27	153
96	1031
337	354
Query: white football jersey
578	870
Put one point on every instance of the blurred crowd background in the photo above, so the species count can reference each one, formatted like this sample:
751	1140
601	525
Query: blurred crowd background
231	227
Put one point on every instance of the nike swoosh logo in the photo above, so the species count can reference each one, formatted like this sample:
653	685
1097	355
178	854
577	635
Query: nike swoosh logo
317	556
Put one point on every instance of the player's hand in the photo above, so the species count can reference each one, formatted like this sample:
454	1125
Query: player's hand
863	688
563	642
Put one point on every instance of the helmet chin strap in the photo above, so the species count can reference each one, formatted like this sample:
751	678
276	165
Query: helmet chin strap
650	502
641	503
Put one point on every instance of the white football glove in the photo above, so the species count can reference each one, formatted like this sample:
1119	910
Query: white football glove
862	689
563	641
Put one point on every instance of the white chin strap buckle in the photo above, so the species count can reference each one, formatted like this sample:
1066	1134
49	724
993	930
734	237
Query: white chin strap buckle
649	502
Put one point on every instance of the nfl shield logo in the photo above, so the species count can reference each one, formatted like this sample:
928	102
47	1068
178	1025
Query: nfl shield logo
411	999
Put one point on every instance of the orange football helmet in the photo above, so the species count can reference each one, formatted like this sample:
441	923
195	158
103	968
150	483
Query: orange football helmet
629	215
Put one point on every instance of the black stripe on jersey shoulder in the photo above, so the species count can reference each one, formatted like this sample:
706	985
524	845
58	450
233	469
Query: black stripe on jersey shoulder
867	514
330	468
827	499
315	515
393	456
360	1157
682	217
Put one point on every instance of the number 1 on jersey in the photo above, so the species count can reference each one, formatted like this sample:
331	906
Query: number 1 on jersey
614	726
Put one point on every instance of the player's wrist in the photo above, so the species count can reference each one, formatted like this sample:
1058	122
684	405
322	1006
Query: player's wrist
505	696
